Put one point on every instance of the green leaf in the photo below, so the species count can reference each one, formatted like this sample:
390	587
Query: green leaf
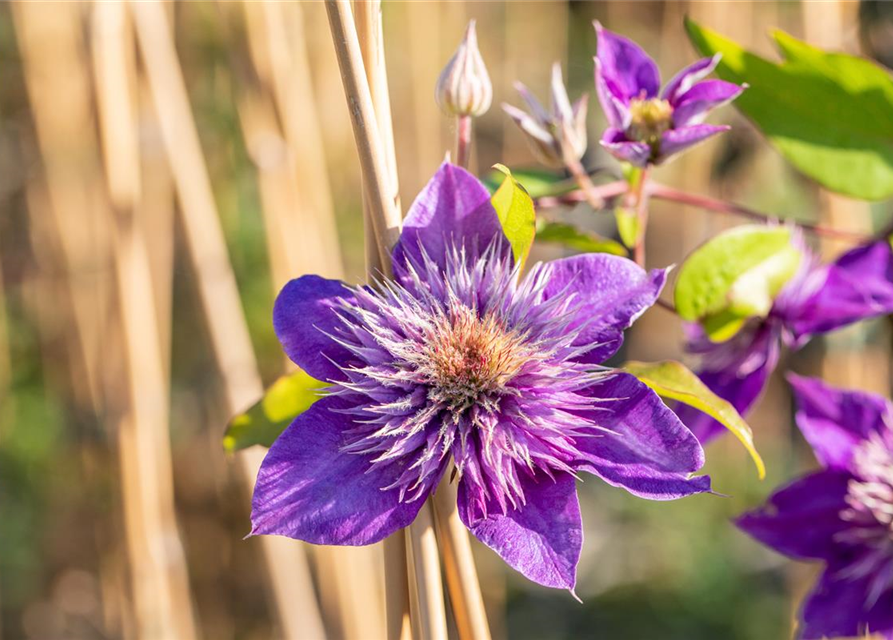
575	238
514	207
829	114
539	183
734	276
288	397
627	226
674	380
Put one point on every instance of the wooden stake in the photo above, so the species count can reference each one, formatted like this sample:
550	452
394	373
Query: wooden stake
228	331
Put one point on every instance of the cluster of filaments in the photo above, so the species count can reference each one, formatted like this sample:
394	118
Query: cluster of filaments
870	511
648	119
466	362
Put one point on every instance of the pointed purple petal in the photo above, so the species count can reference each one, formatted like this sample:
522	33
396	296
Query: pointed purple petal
610	293
542	539
857	285
626	65
304	317
453	208
685	79
693	105
614	103
801	519
834	420
308	489
616	142
676	140
838	607
646	450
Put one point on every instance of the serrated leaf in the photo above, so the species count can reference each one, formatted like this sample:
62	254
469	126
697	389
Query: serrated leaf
627	226
673	380
829	114
539	183
574	238
514	206
735	276
287	398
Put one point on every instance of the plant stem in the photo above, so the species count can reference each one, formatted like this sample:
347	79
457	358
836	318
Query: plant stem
664	192
463	140
639	202
461	575
590	192
383	210
603	192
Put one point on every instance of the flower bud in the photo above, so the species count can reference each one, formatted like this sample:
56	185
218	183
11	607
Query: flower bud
464	88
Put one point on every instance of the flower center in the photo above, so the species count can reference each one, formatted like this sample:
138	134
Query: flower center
870	497
467	359
649	118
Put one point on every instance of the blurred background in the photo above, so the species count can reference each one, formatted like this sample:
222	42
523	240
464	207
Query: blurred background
165	168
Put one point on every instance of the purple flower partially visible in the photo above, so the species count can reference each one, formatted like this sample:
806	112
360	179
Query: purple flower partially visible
646	125
459	359
841	515
818	299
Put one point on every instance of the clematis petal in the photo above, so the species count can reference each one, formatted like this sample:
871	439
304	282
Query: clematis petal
646	449
308	489
541	539
801	519
685	79
626	65
304	318
692	106
453	209
616	142
676	140
614	103
838	607
834	420
858	285
610	293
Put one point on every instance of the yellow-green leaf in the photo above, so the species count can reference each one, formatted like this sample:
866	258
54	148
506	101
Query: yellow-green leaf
674	380
514	206
287	398
627	226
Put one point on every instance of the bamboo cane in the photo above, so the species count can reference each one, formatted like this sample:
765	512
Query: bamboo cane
289	574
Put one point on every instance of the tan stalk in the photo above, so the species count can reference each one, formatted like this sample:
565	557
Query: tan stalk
299	239
461	574
227	328
426	599
159	576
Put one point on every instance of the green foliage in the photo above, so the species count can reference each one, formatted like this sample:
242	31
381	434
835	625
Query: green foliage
735	276
829	114
574	238
287	398
538	183
514	206
627	226
674	380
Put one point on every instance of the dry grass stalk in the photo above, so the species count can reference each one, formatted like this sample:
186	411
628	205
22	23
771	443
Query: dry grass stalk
426	602
228	331
160	580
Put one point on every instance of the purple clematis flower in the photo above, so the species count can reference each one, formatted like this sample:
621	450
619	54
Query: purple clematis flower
818	299
842	514
459	358
647	125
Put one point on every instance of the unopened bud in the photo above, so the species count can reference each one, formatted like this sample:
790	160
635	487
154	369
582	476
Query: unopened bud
464	88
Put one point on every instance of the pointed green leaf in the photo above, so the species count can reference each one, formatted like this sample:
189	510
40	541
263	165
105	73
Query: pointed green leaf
734	276
514	207
287	398
675	381
627	226
829	114
575	238
539	183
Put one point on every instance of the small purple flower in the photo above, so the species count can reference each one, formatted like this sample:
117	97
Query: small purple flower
459	358
818	299
841	515
646	125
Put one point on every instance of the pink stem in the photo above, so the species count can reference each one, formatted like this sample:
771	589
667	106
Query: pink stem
463	140
601	192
